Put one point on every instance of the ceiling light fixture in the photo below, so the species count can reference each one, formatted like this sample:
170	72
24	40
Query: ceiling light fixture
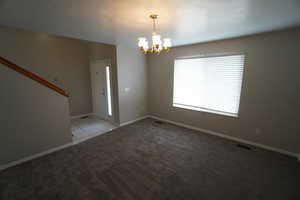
157	45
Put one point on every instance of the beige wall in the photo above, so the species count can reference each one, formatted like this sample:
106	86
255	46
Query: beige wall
63	61
33	117
270	91
132	79
60	60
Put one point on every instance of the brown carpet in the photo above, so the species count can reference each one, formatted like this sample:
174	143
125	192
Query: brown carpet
147	160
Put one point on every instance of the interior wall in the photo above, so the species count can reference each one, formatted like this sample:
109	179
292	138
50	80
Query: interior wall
132	80
33	117
269	106
62	61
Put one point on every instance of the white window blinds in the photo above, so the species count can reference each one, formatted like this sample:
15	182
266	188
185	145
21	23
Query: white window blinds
210	84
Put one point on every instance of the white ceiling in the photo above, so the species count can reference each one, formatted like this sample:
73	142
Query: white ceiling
123	21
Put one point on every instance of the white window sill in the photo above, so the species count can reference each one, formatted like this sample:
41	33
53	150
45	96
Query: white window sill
204	110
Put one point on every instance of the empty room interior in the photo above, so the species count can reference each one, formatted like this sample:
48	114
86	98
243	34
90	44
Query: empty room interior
150	100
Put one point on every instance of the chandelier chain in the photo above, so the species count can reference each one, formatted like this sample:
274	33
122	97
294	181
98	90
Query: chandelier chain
154	26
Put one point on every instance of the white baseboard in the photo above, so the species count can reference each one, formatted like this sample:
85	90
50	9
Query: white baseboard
99	116
11	164
79	116
17	162
230	138
132	121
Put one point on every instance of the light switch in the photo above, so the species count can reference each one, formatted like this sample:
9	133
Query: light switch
127	89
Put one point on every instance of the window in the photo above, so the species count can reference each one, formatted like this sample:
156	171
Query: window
108	90
209	84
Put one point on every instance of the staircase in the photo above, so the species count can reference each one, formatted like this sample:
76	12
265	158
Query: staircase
34	117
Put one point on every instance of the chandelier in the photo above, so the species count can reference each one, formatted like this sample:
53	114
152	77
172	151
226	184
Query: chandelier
157	45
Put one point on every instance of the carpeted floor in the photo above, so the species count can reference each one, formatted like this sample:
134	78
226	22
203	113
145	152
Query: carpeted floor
147	160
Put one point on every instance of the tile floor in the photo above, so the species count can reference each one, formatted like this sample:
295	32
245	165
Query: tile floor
85	128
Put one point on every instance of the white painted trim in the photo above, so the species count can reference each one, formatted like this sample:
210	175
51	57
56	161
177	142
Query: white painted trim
100	116
14	163
230	137
135	120
79	116
17	162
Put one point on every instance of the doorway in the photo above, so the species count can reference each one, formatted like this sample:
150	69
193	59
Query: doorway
101	120
102	89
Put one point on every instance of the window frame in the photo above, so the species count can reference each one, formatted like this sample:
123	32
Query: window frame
207	110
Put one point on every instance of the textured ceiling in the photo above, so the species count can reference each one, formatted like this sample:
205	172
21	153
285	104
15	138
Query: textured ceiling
123	21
